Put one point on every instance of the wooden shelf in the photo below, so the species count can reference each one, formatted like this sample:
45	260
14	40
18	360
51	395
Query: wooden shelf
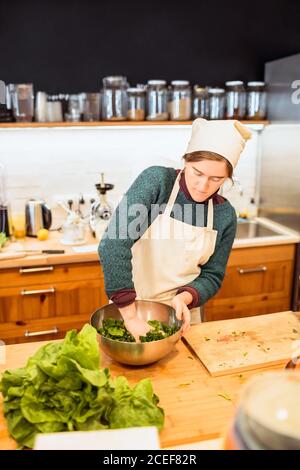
107	124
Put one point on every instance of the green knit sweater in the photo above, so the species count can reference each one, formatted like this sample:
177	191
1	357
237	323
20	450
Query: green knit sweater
154	186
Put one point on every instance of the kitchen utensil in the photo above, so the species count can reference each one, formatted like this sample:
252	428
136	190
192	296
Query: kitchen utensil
48	252
101	210
232	346
38	216
138	353
4	212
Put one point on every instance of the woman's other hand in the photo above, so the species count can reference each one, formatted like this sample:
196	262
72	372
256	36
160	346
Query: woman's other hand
179	303
136	326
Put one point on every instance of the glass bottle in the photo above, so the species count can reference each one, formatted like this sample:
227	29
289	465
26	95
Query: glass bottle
180	101
200	102
216	103
256	100
136	104
157	100
114	98
235	100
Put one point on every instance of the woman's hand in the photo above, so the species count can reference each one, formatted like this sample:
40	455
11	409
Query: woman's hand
136	326
179	303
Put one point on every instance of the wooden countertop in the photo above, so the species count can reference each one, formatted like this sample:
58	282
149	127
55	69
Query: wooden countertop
53	242
194	408
286	236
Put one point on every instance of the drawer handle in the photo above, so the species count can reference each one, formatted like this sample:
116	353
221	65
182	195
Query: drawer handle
259	269
40	333
51	290
35	270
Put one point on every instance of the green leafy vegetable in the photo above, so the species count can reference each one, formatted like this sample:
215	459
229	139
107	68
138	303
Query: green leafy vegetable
115	329
61	388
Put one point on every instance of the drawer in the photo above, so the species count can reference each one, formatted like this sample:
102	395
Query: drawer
49	274
261	254
248	279
40	330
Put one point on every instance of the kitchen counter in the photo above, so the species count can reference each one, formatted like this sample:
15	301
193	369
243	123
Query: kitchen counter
88	251
53	242
195	410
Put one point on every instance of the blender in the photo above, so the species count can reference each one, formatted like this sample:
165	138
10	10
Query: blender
101	210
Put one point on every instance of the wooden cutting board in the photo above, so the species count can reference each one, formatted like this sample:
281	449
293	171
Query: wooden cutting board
237	345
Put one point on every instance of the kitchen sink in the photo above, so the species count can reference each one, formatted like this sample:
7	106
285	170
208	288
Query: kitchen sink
254	229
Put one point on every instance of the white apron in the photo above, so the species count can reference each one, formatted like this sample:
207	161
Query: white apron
169	255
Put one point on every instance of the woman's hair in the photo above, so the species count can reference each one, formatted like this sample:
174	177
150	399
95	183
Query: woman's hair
205	155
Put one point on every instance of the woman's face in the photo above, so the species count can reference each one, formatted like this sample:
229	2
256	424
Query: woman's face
204	178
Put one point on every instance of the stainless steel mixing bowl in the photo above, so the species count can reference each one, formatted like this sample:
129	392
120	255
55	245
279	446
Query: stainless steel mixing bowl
138	353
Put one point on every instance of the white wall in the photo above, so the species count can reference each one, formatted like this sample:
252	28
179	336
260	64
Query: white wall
46	162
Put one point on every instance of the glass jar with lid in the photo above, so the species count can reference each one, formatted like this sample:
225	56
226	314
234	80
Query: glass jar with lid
180	100
136	104
157	100
256	100
200	102
235	100
114	98
216	103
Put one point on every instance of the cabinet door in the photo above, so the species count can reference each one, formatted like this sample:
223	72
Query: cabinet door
257	281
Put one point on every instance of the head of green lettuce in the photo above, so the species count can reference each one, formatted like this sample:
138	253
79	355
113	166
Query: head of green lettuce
62	388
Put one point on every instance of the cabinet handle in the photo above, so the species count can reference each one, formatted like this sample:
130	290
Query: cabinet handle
51	290
40	333
35	270
259	269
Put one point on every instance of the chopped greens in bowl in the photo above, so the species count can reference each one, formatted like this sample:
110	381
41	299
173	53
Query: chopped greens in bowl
116	330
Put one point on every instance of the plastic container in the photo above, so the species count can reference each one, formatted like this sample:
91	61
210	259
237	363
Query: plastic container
180	101
256	101
157	100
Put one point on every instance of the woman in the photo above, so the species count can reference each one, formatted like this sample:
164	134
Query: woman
170	237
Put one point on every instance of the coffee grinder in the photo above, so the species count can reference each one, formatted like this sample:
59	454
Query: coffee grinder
101	210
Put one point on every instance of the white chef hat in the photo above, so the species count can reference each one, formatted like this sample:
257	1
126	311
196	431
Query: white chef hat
225	137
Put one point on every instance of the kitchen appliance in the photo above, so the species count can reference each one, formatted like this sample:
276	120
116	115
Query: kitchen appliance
138	353
37	216
101	210
279	189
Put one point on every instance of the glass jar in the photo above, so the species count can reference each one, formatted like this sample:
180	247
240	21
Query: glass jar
180	101
200	102
256	100
114	98
136	98
268	415
90	106
157	100
216	103
235	100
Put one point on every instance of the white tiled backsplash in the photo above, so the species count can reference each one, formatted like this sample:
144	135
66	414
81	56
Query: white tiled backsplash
50	162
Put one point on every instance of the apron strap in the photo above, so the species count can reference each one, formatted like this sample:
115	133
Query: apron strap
173	195
210	214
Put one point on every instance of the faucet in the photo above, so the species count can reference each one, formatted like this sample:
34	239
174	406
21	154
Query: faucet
240	187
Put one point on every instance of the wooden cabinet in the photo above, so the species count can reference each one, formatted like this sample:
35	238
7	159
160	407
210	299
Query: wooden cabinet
257	281
44	302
